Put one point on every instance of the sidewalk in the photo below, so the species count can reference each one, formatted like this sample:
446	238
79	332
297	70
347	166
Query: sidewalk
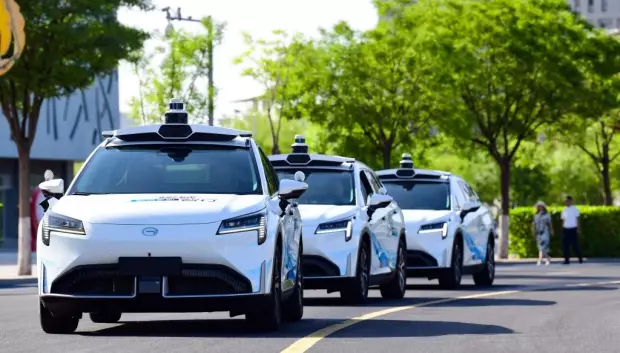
8	268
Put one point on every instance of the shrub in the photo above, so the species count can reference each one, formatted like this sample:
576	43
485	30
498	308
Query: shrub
600	227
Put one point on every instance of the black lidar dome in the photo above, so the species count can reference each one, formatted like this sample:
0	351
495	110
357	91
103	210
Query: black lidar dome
300	144
176	114
406	162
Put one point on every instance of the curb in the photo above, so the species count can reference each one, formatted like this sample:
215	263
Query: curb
15	282
555	260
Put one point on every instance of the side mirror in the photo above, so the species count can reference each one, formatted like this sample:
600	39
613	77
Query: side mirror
469	206
291	189
377	201
53	188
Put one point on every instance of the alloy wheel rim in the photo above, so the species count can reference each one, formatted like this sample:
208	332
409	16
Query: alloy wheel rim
491	262
364	274
401	270
457	262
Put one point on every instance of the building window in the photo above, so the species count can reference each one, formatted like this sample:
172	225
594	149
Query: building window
618	23
603	5
601	23
576	5
590	6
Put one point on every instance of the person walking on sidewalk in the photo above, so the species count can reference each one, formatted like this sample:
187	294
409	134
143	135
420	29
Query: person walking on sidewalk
542	232
571	228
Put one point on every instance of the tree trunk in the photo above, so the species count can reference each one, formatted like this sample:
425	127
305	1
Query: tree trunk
276	148
609	199
504	165
387	155
24	266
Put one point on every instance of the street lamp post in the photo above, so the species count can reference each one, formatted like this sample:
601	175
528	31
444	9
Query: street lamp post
211	34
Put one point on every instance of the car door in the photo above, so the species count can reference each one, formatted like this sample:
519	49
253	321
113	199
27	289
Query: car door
380	228
474	226
291	225
394	222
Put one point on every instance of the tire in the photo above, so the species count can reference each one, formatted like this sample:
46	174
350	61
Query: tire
452	278
268	317
397	286
108	317
55	324
293	306
357	292
486	276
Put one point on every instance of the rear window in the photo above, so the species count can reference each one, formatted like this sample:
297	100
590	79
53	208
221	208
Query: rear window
170	169
420	195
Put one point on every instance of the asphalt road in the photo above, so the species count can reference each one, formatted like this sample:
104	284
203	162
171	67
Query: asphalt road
530	309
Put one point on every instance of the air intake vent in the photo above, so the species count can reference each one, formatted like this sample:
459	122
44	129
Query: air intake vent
300	144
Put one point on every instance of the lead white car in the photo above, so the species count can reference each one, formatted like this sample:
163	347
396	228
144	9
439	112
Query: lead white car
171	218
449	231
354	236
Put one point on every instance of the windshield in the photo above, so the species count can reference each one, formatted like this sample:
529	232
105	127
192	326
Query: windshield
325	187
416	195
170	169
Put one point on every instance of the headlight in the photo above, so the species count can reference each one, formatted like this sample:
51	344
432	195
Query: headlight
245	224
337	226
435	227
59	223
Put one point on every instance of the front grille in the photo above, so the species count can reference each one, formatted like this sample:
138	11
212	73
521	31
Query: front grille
316	266
416	258
207	280
105	280
94	280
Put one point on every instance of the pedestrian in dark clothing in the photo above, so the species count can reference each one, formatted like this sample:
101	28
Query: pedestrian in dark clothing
571	228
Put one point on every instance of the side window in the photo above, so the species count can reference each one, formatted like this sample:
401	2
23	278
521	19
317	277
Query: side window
467	190
273	182
376	185
458	196
366	187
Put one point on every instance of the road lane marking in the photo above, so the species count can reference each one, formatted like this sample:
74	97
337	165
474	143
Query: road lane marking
305	343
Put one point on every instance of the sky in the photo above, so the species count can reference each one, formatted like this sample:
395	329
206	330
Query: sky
258	17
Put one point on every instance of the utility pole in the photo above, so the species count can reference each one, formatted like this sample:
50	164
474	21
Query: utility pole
210	46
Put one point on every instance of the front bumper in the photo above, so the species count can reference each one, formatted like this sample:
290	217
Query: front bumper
85	270
427	253
328	259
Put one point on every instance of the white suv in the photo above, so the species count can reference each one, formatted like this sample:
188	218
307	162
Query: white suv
354	235
449	231
171	218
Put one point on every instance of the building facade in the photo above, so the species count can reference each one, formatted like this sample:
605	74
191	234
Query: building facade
68	130
600	13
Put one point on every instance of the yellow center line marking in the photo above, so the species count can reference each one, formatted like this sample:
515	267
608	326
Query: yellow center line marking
305	343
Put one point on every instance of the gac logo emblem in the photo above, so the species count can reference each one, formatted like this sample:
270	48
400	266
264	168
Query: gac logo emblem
12	36
150	231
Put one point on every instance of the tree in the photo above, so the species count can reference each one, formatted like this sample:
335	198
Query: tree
70	44
178	68
271	63
506	68
368	91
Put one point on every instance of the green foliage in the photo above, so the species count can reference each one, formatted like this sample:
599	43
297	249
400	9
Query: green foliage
68	45
272	63
600	232
367	90
177	68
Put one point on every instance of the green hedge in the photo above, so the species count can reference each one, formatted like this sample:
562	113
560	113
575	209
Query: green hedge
600	226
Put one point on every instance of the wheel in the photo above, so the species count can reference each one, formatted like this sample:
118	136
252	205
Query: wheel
357	292
452	278
57	324
396	287
486	276
107	317
268	317
293	306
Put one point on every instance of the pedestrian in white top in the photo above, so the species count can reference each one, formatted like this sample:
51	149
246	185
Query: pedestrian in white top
571	228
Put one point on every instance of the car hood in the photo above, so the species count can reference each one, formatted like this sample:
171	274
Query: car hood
157	209
416	218
316	214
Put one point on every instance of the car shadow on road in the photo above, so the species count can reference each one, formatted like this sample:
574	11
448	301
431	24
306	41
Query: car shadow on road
451	302
237	328
575	289
550	275
464	287
406	328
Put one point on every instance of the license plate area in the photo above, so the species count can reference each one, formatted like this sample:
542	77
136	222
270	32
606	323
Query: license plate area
150	266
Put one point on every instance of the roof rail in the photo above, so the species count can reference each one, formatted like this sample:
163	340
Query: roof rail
177	132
